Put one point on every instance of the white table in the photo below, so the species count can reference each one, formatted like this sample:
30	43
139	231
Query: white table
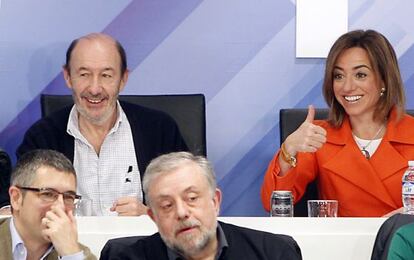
318	238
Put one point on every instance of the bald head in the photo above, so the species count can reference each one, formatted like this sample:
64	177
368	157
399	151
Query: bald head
99	38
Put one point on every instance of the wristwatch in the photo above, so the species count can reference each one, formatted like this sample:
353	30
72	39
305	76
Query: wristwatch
290	159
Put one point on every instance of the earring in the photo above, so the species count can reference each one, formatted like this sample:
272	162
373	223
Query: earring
382	92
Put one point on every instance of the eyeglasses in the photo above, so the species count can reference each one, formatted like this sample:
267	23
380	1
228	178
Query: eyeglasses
70	198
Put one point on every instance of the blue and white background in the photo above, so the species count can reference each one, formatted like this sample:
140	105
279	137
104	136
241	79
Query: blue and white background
239	53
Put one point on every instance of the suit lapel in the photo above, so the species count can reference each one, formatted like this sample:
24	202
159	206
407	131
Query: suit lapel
349	163
53	255
155	248
5	240
382	164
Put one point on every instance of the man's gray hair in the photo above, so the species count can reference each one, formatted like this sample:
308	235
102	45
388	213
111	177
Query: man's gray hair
169	162
25	171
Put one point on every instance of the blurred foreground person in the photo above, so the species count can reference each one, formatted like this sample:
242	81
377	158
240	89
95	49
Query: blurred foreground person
402	243
42	196
184	203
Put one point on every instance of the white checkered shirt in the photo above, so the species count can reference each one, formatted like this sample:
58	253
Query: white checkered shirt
112	174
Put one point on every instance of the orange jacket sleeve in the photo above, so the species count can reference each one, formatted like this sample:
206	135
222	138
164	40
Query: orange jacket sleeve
292	181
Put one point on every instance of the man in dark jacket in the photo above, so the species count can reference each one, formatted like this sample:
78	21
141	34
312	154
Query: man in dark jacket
110	143
184	203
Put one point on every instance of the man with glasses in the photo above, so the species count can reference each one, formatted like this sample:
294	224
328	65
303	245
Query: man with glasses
43	197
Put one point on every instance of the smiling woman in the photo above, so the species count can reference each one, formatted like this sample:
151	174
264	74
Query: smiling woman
356	87
350	154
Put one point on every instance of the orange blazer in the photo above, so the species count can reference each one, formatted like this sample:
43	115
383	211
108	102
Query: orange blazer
363	188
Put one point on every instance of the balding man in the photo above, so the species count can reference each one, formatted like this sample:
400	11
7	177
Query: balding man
109	142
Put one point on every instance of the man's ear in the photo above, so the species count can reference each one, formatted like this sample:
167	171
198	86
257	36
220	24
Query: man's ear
16	197
124	79
66	76
150	213
217	200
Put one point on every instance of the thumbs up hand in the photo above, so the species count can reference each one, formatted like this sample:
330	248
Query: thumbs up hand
307	138
311	114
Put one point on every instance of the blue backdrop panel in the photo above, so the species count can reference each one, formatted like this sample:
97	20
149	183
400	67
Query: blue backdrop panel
240	54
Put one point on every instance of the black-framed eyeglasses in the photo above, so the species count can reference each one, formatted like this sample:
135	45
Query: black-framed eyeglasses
70	198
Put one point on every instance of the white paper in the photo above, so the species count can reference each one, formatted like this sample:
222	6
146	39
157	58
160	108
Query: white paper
318	24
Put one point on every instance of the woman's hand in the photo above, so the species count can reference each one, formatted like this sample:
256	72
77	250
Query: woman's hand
307	138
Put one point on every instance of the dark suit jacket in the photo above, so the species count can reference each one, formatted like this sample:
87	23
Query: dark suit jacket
385	234
6	244
243	243
154	133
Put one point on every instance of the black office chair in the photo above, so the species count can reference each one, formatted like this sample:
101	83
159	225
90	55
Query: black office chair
5	172
188	111
289	120
385	234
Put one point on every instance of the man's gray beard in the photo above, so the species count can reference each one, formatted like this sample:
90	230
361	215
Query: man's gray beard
96	121
192	245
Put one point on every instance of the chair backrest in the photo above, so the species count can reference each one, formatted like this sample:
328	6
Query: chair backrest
188	111
385	234
289	120
5	172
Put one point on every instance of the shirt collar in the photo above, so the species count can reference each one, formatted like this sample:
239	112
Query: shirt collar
17	241
222	241
19	250
221	246
73	121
